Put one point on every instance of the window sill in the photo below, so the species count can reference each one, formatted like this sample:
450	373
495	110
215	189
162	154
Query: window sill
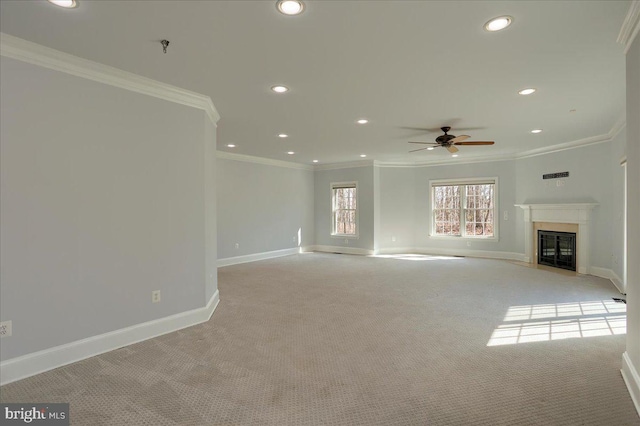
347	236
461	238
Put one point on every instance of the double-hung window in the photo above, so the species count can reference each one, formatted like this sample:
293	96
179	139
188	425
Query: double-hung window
464	208
344	209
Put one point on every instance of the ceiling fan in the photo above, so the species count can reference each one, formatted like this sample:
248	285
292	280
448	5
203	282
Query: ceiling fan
450	141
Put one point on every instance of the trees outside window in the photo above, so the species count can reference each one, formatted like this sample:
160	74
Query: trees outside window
344	205
463	209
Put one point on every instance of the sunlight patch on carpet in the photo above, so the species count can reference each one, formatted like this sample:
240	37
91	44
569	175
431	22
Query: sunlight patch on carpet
416	257
541	323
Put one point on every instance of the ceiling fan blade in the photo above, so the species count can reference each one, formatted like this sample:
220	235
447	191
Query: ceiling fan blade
424	143
452	149
475	143
459	138
423	129
415	150
467	128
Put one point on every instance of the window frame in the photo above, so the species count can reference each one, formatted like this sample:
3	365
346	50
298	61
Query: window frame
460	182
336	185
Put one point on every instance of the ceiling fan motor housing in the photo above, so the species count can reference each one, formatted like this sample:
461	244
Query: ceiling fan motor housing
444	138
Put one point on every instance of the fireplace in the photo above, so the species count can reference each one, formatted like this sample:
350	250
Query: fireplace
561	217
557	249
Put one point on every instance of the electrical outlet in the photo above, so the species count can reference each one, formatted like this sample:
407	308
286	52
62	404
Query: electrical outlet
237	246
393	239
155	296
294	239
506	215
5	329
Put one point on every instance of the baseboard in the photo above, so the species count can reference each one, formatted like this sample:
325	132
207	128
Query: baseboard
257	256
485	254
609	275
343	250
396	250
38	362
631	379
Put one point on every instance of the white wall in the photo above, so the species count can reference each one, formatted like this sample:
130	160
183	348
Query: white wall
364	177
102	201
262	207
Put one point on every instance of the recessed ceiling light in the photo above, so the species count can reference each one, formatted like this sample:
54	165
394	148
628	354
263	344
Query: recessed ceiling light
499	23
290	7
454	155
362	121
231	145
69	4
431	148
526	91
536	131
363	155
280	89
315	161
282	135
290	152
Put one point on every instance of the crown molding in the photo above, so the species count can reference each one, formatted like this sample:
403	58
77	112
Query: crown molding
630	26
445	161
345	165
260	160
607	137
36	54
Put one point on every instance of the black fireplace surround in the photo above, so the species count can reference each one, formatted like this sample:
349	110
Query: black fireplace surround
557	249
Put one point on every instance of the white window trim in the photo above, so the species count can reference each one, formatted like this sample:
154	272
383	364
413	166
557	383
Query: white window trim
467	181
355	236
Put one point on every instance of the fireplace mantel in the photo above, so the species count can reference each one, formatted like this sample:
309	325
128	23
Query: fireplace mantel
577	213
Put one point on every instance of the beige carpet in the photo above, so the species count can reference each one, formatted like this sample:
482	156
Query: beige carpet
322	339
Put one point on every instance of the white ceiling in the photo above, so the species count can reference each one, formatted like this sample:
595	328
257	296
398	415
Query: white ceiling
398	63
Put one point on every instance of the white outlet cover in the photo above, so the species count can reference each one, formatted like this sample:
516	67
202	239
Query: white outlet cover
6	329
156	296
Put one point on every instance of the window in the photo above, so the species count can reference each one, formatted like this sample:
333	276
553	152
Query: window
344	207
464	208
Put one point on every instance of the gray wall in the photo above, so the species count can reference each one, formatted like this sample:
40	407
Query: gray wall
323	179
401	199
262	207
618	152
633	204
405	203
591	179
398	208
102	202
211	211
